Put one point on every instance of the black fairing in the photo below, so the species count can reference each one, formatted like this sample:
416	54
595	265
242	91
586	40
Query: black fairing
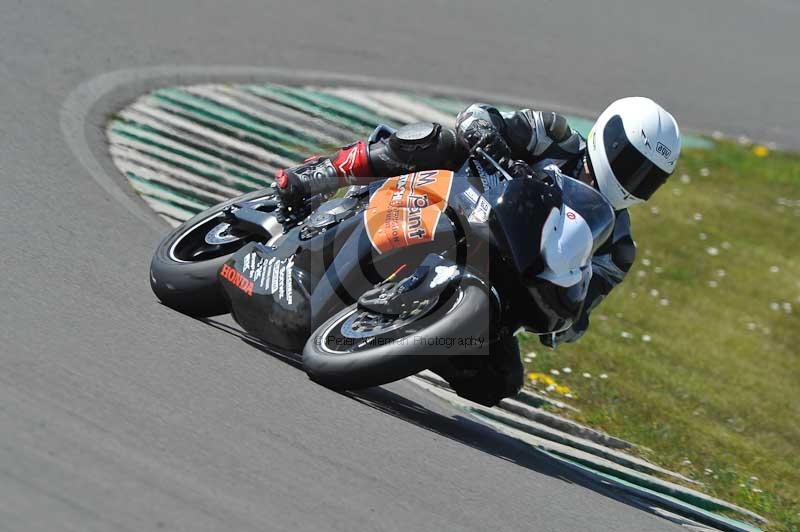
271	298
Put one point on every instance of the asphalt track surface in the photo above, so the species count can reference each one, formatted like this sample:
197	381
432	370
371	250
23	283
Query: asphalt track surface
119	414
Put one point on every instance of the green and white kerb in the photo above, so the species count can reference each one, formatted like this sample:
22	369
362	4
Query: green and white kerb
184	149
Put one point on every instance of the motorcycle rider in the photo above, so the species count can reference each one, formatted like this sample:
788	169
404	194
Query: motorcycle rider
631	151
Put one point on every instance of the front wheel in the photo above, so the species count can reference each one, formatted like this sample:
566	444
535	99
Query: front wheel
183	271
358	349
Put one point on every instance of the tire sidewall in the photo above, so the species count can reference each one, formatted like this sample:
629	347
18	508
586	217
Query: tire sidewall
397	360
192	288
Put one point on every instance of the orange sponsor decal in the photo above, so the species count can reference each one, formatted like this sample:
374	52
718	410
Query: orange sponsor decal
237	279
406	209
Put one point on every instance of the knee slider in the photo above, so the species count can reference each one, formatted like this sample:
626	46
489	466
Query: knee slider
416	146
414	137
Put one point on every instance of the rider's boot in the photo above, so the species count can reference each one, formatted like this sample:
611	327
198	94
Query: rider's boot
322	175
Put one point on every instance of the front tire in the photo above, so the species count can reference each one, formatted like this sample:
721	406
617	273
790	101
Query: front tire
465	314
185	281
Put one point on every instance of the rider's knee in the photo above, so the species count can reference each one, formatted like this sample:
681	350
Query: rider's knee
415	147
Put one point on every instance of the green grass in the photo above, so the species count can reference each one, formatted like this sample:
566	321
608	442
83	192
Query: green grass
715	393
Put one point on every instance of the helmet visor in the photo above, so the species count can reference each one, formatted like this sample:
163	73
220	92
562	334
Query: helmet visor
635	172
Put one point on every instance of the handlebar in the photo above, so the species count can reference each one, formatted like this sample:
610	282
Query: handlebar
488	158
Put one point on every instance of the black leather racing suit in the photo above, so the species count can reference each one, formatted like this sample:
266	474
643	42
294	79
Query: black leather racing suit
545	141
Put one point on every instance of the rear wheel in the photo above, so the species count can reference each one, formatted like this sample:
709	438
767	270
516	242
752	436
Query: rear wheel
357	349
183	271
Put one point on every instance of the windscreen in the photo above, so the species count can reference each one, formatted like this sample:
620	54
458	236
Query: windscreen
592	206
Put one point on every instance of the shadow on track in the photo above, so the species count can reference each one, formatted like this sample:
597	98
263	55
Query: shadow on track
455	427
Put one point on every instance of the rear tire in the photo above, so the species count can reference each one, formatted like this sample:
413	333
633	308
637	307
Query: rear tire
465	314
192	286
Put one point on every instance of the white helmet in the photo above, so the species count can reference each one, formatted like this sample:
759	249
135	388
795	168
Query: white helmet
632	150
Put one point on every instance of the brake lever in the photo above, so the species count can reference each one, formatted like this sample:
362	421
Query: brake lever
497	165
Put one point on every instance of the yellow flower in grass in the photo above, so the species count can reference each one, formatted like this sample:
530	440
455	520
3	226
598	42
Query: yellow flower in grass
549	382
541	377
761	151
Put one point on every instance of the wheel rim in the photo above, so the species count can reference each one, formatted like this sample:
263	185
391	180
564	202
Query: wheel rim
208	239
352	339
363	324
223	234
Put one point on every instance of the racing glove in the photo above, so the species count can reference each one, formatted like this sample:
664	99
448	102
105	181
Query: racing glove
480	133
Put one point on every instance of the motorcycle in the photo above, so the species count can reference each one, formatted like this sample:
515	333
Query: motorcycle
408	273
